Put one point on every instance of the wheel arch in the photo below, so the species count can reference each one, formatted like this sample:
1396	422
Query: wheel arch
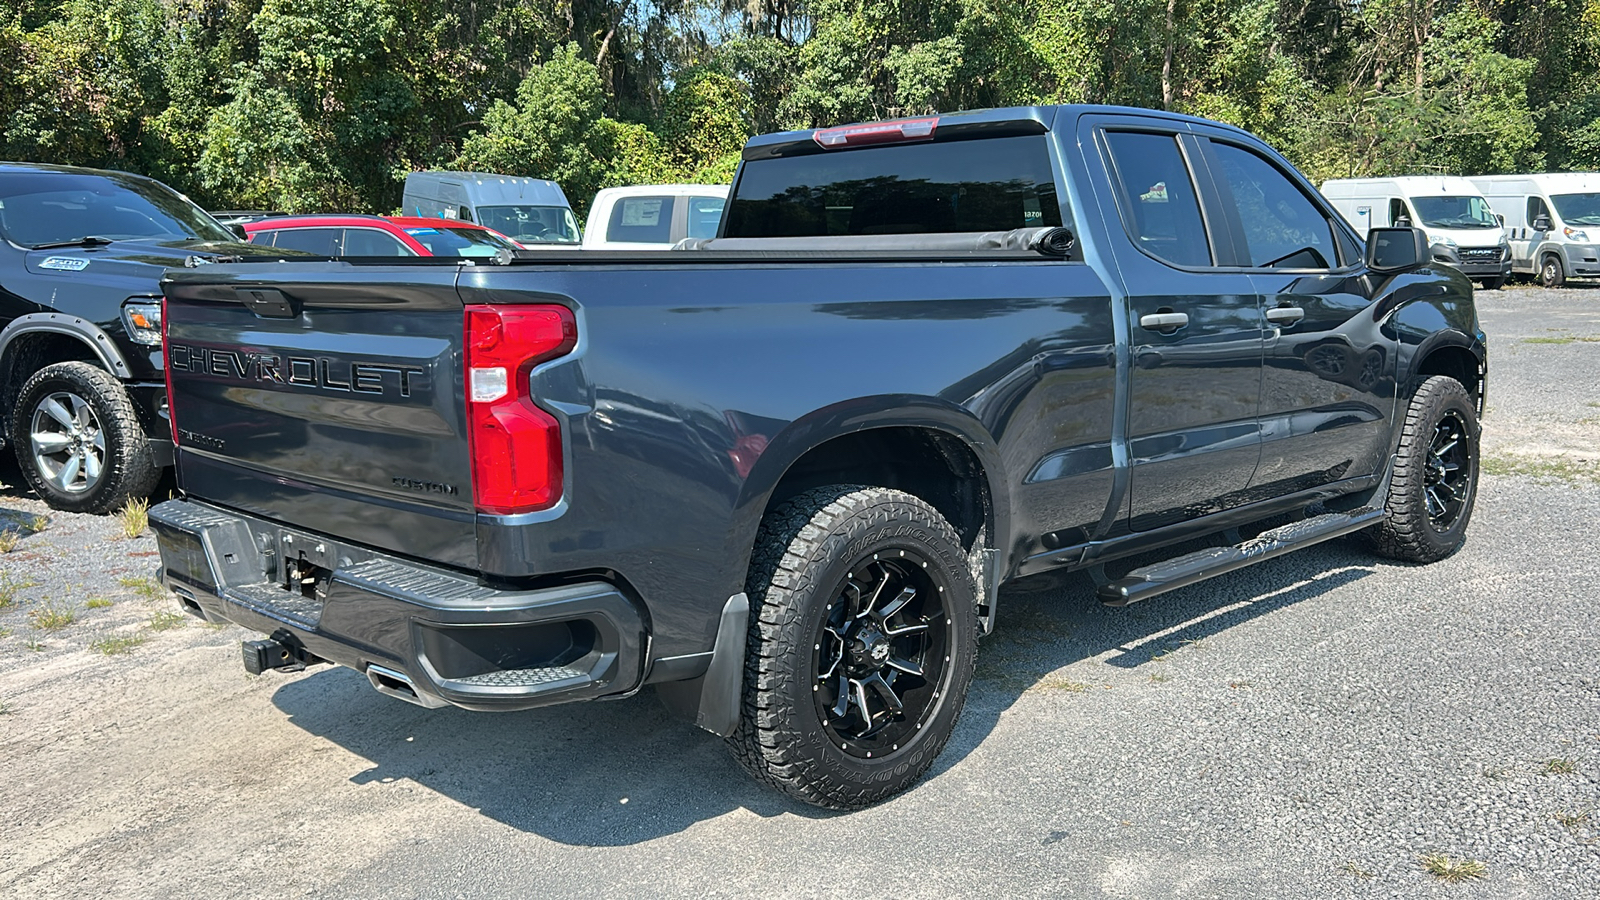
53	337
932	449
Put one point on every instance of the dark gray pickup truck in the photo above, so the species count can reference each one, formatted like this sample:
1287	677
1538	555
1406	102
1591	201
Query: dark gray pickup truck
781	474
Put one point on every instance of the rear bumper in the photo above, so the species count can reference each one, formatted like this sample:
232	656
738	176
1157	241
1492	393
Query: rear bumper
456	641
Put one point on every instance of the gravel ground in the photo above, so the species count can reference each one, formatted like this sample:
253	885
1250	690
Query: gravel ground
1311	727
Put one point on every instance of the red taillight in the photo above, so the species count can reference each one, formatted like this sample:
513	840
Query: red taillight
876	133
166	368
516	446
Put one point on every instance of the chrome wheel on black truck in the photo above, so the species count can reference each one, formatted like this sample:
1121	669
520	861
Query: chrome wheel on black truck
1435	478
79	442
863	638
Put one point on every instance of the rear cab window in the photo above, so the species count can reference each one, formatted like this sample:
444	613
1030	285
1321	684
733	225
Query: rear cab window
1161	209
705	214
990	184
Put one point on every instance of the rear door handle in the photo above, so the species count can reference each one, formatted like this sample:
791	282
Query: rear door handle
1164	321
1285	315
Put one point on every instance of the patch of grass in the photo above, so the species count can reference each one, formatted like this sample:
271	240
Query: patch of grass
9	588
98	602
134	517
5	632
1556	468
1453	871
35	646
1572	821
166	620
9	539
115	646
1354	871
1559	767
51	617
37	524
1160	677
148	588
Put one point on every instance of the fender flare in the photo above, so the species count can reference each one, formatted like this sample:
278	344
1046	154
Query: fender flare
85	331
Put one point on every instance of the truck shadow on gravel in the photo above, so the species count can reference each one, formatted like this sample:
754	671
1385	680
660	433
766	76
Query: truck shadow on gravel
625	772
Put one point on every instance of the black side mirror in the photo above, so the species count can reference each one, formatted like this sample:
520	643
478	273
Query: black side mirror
1391	250
1542	223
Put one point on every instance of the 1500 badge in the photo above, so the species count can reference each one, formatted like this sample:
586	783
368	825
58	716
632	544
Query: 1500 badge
299	371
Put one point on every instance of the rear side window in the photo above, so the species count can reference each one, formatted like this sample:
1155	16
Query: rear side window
263	238
320	241
705	214
1162	212
993	184
641	220
372	242
1282	227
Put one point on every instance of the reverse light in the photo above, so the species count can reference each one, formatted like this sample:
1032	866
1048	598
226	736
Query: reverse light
515	445
901	130
141	319
1575	234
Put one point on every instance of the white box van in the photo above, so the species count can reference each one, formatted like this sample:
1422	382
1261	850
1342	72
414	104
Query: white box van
653	216
1552	219
1459	220
531	211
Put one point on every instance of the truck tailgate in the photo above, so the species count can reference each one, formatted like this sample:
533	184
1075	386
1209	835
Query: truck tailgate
330	401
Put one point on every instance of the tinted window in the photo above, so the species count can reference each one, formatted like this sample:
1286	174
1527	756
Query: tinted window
46	207
1398	211
995	184
641	220
705	214
320	241
372	242
263	238
1282	227
1160	197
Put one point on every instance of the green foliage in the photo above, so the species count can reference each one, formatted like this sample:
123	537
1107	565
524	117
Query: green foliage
328	104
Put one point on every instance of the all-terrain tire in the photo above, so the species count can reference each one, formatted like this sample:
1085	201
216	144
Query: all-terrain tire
78	440
1435	479
810	583
1552	274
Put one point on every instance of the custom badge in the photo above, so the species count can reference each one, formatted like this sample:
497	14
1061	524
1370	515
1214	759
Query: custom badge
65	263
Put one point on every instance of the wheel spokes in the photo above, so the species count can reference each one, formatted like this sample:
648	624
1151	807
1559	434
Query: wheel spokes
53	408
905	596
904	665
48	442
68	477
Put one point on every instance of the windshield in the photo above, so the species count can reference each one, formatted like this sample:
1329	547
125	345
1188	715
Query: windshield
1455	212
531	224
459	241
1578	209
47	207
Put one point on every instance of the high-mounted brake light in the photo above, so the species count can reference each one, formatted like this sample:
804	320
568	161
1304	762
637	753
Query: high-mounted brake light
898	131
516	446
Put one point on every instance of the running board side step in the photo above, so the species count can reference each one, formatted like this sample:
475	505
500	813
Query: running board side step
1181	571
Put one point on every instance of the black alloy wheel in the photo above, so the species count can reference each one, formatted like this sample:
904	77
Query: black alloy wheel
1434	482
881	653
862	644
1447	472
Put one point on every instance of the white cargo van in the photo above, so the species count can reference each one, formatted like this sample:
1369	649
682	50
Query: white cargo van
531	211
653	216
1459	221
1552	219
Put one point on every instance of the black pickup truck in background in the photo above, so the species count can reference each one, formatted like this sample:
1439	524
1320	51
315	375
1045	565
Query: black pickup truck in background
781	474
82	399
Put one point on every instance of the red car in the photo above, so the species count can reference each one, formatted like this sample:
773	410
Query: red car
377	236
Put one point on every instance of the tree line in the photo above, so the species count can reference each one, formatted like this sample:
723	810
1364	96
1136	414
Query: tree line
326	104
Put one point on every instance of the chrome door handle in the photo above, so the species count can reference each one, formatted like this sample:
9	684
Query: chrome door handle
1164	321
1285	315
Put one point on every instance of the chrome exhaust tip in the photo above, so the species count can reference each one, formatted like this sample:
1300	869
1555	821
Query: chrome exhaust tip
398	685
